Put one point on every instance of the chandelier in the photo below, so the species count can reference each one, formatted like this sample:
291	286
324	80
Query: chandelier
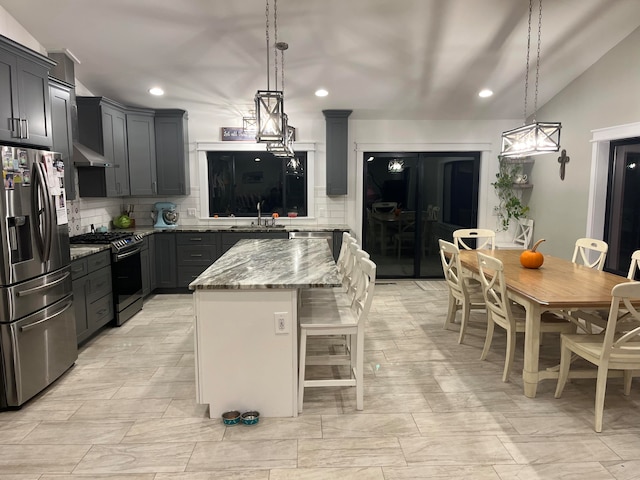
271	124
537	137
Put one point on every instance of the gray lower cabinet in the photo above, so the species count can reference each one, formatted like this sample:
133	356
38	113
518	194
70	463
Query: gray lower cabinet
141	144
196	252
25	115
92	294
148	265
60	94
172	152
165	260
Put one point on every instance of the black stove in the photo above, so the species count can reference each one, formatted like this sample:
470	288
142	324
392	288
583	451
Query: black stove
119	241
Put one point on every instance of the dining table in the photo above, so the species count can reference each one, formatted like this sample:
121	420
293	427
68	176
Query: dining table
559	285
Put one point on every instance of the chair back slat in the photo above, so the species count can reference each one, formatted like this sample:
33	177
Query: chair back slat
364	294
450	258
524	233
622	334
588	248
494	288
485	239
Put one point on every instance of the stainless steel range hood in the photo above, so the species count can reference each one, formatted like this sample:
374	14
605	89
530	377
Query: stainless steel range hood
85	157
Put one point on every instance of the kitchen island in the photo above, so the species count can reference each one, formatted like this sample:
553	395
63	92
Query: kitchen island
246	342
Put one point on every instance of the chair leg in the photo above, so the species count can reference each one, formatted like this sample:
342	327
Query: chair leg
301	368
563	372
360	369
451	312
627	381
601	386
511	351
466	313
488	339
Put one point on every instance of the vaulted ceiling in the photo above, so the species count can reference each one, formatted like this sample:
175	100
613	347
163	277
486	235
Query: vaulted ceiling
385	59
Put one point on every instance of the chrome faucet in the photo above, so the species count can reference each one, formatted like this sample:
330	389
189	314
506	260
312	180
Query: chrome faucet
259	213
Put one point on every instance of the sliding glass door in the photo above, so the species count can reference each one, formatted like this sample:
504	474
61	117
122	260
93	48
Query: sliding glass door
622	219
411	200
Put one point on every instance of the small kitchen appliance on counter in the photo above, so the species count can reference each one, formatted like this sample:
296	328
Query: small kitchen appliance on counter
165	215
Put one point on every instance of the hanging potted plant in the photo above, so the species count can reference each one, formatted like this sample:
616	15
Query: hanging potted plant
510	206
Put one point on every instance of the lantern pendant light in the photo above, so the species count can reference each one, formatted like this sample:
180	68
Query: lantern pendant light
537	137
270	117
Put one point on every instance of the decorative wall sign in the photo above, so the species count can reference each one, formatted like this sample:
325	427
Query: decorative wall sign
237	134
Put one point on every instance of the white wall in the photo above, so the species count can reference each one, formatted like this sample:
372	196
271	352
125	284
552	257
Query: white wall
605	95
10	28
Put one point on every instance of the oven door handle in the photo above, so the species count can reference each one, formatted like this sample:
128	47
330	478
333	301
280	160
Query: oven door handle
122	256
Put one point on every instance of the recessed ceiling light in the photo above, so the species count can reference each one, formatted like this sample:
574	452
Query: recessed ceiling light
484	93
321	92
157	91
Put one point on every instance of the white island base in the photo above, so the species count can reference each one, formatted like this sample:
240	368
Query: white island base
241	362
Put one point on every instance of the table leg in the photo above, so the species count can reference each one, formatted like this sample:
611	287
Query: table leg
530	373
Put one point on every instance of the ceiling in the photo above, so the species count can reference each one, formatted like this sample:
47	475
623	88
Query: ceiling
385	59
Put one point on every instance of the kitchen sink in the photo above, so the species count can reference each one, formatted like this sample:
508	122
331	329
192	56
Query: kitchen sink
257	227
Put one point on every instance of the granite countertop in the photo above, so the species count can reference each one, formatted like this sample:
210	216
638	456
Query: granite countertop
79	251
271	263
245	228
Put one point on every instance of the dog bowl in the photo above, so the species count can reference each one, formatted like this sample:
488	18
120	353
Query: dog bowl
231	418
250	418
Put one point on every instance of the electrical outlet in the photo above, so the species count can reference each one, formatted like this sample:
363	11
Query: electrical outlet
281	323
191	212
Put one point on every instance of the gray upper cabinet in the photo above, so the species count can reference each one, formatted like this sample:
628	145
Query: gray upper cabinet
172	152
102	126
25	116
337	150
60	95
142	152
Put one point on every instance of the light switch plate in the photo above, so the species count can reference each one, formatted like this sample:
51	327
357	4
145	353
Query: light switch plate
191	212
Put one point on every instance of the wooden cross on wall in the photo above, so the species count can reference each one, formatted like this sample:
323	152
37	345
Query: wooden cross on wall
563	159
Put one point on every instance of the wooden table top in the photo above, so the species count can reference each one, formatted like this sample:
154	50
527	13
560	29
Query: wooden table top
558	283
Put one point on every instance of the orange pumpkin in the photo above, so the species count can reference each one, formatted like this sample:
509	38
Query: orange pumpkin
532	258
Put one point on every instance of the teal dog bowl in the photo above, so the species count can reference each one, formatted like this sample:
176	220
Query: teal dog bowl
231	418
250	418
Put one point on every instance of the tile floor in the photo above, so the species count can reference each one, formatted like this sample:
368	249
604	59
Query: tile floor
126	411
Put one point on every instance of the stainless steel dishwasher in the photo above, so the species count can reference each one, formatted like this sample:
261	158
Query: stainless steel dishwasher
328	236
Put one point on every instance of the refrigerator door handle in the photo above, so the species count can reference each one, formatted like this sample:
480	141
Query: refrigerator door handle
59	312
30	291
41	192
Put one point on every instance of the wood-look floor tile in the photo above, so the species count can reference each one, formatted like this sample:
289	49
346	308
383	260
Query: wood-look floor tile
117	476
185	408
455	450
556	471
548	424
157	390
12	432
623	470
133	458
95	432
217	475
626	446
463	423
166	430
350	452
369	425
122	409
388	403
254	455
364	473
149	360
538	449
21	459
450	472
471	402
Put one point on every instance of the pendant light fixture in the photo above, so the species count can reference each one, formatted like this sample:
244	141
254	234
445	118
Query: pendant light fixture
537	137
271	126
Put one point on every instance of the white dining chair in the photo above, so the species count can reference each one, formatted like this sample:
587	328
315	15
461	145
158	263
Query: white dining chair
323	320
522	236
484	238
618	348
503	312
590	252
463	296
634	267
384	207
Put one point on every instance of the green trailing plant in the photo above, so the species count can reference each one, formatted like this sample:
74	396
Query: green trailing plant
510	206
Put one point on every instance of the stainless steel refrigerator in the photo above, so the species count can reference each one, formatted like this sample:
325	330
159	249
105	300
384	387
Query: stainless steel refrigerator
37	323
